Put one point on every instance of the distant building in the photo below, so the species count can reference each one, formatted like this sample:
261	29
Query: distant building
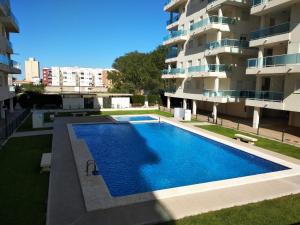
76	80
32	70
8	24
47	77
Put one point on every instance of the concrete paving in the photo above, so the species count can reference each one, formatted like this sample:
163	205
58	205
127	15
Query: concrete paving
66	203
32	133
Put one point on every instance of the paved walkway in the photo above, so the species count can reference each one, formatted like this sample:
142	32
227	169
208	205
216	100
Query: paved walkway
32	133
66	205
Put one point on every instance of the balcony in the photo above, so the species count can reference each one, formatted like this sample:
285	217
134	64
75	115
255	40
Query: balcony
8	18
173	73
212	23
172	5
253	95
171	54
214	4
262	7
279	64
270	35
175	37
173	20
232	46
9	66
210	70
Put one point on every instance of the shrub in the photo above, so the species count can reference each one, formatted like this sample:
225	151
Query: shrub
138	100
154	99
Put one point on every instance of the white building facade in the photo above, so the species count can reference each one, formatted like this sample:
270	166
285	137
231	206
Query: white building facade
75	79
8	24
211	57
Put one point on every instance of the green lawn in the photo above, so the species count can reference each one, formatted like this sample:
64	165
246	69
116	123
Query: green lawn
23	190
281	211
274	146
27	126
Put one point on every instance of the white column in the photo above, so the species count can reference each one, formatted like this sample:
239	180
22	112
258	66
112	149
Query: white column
258	83
11	105
260	56
219	35
194	107
220	13
217	60
215	112
256	116
184	104
169	102
2	111
216	84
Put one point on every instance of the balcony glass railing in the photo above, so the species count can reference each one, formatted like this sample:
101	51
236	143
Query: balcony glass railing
227	42
212	20
270	31
257	95
172	53
256	2
209	68
173	20
4	60
173	71
174	34
273	61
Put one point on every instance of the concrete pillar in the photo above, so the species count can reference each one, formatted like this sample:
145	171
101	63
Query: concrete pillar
256	117
258	83
217	60
2	111
216	84
219	36
215	112
184	104
194	107
169	102
11	105
291	114
169	67
260	56
220	13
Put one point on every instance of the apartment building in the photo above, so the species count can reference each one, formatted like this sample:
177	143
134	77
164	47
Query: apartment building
277	64
47	76
75	79
212	57
8	24
32	71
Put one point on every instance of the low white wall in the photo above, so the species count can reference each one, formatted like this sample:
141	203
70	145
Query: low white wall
120	102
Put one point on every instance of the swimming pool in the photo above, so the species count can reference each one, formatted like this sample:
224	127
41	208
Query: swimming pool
145	157
133	118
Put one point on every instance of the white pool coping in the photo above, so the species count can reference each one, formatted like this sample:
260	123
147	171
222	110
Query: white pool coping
97	196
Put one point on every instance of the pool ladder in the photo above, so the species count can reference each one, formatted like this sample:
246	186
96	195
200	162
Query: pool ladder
95	171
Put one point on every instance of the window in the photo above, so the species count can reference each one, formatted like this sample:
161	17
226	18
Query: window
190	63
199	42
191	44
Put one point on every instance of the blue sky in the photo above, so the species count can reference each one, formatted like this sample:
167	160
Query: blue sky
88	33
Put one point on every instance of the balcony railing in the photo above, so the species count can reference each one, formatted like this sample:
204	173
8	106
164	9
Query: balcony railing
227	43
174	34
212	20
173	71
256	2
173	20
256	95
273	61
270	31
172	53
4	60
209	68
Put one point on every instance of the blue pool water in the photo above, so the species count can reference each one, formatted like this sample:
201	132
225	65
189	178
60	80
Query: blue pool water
137	158
133	118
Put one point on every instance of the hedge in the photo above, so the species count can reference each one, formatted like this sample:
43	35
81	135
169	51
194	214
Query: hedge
154	100
30	99
138	100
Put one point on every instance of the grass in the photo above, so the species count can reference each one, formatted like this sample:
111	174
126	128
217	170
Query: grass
265	143
23	190
281	211
27	126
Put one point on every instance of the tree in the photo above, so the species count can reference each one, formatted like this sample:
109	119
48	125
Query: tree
138	72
